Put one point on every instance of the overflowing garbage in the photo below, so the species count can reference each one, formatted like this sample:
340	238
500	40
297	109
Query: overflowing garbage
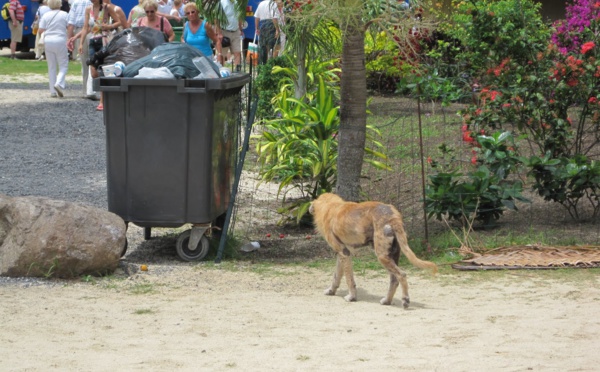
177	57
142	52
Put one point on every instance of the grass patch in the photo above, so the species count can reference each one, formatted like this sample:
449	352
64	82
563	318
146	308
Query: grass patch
13	67
142	288
144	311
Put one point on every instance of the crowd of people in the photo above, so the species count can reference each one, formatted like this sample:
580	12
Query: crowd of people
83	27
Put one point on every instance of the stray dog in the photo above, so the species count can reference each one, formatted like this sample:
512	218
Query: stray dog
347	225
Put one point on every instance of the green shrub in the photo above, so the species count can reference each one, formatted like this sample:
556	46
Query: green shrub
483	193
266	86
381	55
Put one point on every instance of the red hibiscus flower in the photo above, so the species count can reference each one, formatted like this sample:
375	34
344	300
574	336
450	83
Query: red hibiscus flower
587	47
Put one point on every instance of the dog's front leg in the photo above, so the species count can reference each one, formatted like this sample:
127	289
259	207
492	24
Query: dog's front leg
337	277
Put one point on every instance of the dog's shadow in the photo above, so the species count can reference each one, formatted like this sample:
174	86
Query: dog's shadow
365	296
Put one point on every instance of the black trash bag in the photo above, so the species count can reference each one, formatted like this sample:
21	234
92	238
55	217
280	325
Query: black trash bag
132	44
177	57
127	46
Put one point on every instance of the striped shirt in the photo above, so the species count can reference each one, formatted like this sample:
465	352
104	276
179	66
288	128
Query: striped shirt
16	7
77	13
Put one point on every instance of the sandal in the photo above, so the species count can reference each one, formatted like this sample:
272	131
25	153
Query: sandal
100	107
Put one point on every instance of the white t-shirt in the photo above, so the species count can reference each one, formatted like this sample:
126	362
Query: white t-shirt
232	20
165	6
177	13
267	9
43	9
54	23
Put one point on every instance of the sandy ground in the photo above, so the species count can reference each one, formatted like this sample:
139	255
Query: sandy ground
202	317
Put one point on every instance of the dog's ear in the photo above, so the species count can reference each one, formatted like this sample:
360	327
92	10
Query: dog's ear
311	209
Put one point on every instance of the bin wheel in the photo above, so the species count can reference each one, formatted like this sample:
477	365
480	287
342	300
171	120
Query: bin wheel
147	233
185	253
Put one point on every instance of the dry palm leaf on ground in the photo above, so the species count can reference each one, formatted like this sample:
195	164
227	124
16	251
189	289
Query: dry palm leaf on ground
534	256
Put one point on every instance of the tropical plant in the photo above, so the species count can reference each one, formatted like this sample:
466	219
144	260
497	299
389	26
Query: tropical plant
288	76
310	36
212	10
299	149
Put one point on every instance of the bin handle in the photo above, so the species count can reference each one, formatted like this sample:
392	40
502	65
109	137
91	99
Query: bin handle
183	89
111	85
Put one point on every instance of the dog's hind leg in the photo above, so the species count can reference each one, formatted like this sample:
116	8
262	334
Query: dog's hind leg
337	277
388	254
397	276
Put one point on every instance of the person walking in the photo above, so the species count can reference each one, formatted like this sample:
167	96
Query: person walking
232	30
177	12
135	13
267	29
198	33
75	23
154	20
97	24
15	24
39	49
53	28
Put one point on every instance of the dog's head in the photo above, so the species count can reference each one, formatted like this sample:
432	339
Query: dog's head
322	201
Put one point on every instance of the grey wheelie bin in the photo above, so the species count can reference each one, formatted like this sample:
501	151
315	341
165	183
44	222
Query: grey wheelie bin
171	147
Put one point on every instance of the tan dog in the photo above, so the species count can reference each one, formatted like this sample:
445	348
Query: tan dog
348	225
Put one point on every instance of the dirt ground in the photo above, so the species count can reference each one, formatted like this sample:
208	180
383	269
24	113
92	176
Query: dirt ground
210	318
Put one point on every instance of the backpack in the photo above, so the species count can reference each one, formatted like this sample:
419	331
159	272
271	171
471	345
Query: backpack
5	13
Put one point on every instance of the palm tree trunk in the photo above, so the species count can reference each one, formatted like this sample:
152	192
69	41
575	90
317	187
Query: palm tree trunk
301	84
353	109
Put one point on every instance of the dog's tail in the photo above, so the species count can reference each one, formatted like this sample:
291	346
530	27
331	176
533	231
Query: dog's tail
410	255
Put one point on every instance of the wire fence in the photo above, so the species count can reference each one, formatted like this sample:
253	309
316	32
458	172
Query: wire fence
403	130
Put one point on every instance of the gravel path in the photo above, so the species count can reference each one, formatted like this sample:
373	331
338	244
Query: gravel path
49	146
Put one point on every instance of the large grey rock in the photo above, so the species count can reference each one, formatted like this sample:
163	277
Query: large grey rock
46	237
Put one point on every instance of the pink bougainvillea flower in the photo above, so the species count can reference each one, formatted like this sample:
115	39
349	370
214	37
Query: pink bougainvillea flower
592	100
587	47
474	160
